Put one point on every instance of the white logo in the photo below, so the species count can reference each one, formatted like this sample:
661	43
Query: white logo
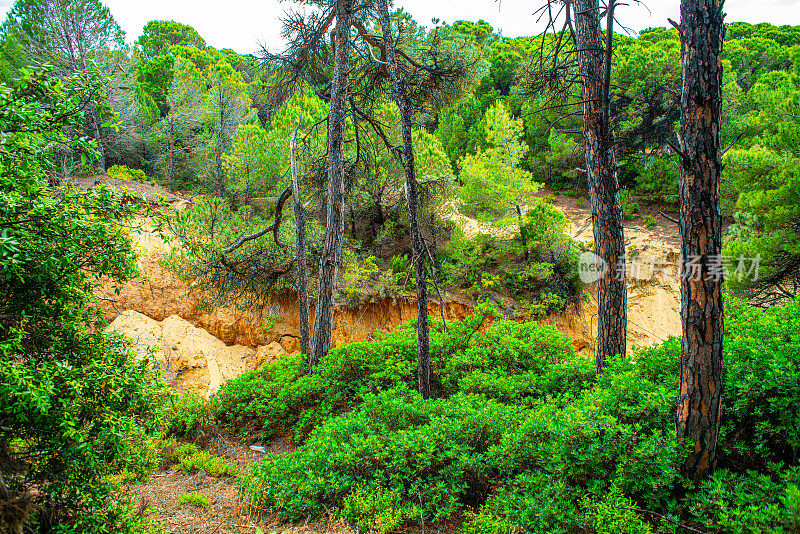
591	267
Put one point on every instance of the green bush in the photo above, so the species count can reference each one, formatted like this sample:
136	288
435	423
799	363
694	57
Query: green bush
186	414
548	277
481	523
614	514
655	177
121	172
629	207
195	498
75	402
374	509
191	460
522	431
749	501
281	396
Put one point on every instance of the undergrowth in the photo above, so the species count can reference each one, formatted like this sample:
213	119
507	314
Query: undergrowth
521	436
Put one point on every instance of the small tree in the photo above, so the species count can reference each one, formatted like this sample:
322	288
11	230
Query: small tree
184	100
72	36
494	183
229	105
248	167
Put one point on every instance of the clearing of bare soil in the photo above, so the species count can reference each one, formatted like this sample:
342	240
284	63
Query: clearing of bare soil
226	513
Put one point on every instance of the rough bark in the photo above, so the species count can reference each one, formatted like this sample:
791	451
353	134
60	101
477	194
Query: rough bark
601	166
332	248
301	264
412	195
700	392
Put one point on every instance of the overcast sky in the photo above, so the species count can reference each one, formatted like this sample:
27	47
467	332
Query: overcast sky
244	25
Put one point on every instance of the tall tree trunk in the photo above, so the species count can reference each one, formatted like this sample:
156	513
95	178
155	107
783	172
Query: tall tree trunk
302	269
218	148
101	153
700	392
601	167
417	245
171	169
332	249
522	233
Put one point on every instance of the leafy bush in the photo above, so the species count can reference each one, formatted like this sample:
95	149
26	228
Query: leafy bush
282	397
524	433
186	414
194	498
546	275
655	177
749	502
629	207
121	172
481	523
374	509
614	514
190	460
75	402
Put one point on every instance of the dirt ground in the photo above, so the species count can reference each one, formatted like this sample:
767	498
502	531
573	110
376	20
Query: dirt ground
226	513
149	192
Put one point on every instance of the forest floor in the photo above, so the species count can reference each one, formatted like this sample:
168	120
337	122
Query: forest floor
226	513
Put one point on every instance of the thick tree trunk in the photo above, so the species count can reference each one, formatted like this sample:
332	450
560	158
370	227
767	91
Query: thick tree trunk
417	245
302	269
332	249
700	392
601	167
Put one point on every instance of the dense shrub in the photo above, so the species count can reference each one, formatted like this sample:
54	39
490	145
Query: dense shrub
187	414
538	264
522	437
76	403
279	397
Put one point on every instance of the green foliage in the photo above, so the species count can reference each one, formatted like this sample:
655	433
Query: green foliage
483	523
362	281
300	402
159	35
121	172
522	429
629	207
548	279
750	501
187	414
613	514
374	509
656	177
494	183
195	498
191	460
75	403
